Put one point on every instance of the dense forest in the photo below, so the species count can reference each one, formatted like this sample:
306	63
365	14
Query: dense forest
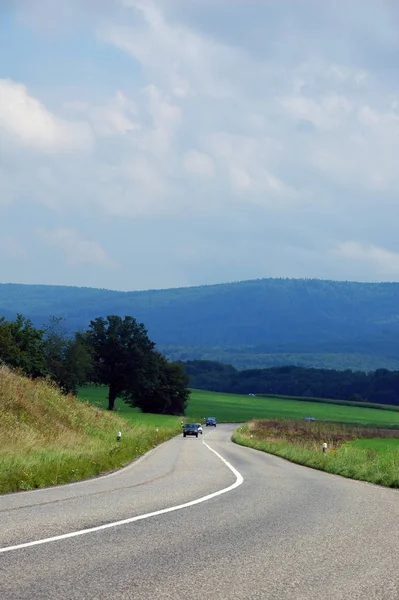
250	324
379	387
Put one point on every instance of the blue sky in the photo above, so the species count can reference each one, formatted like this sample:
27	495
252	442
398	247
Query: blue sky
162	143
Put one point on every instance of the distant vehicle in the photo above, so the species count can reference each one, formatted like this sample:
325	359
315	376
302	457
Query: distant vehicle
210	422
310	419
251	394
199	428
190	429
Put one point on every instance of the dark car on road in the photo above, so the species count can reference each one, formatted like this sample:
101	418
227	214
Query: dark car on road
210	422
190	429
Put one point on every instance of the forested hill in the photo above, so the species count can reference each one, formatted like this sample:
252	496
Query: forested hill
256	323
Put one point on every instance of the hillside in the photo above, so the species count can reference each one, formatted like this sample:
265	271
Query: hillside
47	438
258	323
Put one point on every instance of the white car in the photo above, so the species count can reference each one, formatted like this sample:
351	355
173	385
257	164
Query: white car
199	428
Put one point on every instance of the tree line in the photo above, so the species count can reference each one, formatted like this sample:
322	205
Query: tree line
246	357
380	386
113	351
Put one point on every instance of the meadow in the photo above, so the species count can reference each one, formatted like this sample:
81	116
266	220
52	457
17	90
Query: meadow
234	408
238	409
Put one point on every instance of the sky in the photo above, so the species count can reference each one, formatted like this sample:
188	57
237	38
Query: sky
169	143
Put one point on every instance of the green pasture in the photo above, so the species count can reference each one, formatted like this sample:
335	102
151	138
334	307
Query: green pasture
379	445
236	408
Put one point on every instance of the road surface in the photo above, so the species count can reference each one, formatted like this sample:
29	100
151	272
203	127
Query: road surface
280	531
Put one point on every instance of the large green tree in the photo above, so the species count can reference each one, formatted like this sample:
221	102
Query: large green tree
126	361
123	357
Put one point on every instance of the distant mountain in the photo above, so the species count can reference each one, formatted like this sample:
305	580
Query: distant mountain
267	322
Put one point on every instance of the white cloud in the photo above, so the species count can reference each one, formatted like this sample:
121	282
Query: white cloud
199	163
379	260
347	74
248	163
117	117
77	251
363	150
12	248
25	120
133	189
328	112
166	120
240	178
185	62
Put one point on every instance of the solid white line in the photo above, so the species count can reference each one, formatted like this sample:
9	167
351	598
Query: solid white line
239	480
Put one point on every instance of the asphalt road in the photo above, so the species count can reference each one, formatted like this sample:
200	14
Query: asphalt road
286	532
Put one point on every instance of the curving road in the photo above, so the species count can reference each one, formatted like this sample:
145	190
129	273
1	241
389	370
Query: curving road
283	532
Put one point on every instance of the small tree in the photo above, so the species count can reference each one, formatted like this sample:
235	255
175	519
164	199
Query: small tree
22	346
68	357
78	364
55	340
177	387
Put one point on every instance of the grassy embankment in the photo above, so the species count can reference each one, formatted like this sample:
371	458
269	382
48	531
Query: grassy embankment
48	439
364	453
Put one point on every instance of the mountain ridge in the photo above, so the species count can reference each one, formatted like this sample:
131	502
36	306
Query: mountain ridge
270	316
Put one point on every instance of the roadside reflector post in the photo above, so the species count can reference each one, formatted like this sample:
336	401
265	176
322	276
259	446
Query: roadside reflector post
118	437
324	447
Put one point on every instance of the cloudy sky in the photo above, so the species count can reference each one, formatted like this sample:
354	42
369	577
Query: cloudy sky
162	143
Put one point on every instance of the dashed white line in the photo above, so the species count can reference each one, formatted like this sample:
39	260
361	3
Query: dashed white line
239	480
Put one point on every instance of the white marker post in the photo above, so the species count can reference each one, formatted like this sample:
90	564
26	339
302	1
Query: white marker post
118	437
324	447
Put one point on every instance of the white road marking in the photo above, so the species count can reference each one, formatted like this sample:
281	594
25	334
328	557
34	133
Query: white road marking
239	480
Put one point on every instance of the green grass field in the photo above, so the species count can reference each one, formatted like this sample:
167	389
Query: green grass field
238	409
379	445
234	408
316	400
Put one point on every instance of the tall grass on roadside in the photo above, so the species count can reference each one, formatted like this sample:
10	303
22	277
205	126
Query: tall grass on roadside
368	454
47	438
